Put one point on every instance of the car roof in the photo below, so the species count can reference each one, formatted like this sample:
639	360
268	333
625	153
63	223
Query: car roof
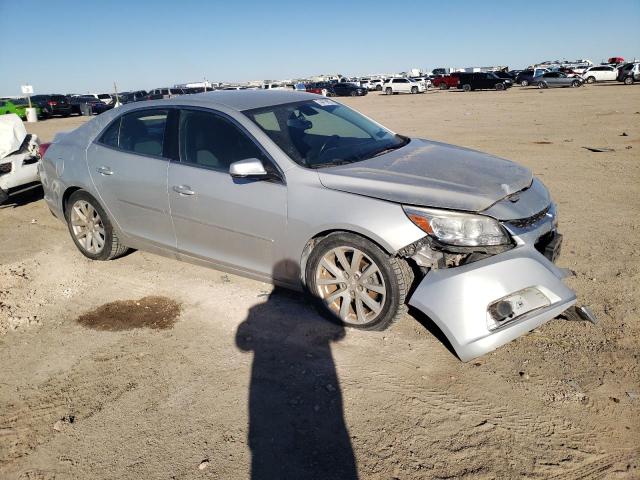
240	100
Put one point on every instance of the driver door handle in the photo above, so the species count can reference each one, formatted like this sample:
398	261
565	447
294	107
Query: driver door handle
183	190
104	171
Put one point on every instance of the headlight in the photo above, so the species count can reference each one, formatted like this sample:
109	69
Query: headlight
456	228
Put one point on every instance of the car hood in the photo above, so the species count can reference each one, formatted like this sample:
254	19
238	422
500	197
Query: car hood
431	174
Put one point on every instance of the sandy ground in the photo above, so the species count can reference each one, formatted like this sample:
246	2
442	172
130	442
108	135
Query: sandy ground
222	376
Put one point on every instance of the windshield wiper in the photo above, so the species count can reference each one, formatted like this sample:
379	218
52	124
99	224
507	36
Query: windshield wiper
405	140
332	163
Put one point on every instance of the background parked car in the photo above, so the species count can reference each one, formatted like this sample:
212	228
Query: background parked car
402	85
52	105
159	93
376	84
103	97
629	73
482	81
16	105
525	77
97	106
137	96
346	90
600	73
319	88
556	79
445	82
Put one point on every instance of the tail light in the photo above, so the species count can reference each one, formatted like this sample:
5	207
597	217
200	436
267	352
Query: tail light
52	103
42	149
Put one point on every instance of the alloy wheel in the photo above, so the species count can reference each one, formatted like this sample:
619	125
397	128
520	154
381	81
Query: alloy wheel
87	227
351	285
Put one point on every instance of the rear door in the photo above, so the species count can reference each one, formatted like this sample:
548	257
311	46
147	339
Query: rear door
230	222
128	165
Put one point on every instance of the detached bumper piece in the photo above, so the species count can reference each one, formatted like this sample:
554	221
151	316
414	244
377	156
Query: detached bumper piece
485	304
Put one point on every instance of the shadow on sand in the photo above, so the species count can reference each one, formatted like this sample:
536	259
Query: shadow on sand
296	422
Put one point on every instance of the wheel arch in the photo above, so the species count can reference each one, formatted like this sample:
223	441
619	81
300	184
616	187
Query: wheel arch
313	241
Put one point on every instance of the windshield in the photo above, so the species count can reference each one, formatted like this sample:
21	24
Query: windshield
319	133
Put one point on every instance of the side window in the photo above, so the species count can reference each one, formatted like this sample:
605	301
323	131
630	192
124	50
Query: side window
143	132
110	136
209	140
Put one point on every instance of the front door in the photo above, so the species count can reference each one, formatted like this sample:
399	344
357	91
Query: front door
230	222
129	170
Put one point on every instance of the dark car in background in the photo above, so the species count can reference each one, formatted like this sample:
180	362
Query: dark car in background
482	81
52	105
160	93
525	77
130	97
87	105
629	73
445	82
346	90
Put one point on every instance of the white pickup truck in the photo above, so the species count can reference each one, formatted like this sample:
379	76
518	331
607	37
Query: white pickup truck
18	158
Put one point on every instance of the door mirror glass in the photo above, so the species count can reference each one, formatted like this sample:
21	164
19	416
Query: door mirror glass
249	168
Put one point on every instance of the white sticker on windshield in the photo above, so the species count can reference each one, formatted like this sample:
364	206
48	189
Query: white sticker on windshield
325	103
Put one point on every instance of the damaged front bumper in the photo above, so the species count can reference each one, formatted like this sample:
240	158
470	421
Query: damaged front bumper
463	301
482	305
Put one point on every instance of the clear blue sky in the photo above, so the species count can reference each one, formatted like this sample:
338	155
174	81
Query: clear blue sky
79	46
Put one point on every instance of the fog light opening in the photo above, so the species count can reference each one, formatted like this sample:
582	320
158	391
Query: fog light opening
501	310
515	305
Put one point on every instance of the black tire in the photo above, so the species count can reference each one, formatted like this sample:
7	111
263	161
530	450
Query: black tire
388	91
379	88
353	93
542	85
444	86
113	247
414	90
396	273
575	84
628	81
466	87
524	83
499	86
591	79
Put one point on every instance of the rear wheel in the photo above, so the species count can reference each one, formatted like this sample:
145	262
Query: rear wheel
91	229
499	86
379	88
357	283
591	79
524	83
575	83
466	87
414	90
444	86
353	93
388	91
628	81
542	85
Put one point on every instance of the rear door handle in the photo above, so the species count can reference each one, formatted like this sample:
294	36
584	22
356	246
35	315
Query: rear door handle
104	171
183	190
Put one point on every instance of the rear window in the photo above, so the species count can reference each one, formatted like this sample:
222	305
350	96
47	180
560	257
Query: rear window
138	132
104	96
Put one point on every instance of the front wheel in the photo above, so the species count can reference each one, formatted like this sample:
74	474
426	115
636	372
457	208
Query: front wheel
575	84
499	86
379	88
91	229
466	88
628	81
542	85
444	86
357	283
591	79
388	91
524	83
414	90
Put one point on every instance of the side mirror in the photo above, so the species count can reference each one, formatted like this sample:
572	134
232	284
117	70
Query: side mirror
249	168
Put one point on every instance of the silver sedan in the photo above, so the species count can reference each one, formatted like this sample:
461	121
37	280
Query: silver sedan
302	191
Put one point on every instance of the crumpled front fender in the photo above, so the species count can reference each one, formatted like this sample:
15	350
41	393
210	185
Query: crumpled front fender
457	299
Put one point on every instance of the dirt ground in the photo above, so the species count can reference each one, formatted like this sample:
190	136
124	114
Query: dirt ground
222	375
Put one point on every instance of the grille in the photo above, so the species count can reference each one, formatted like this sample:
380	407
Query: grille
5	168
532	220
